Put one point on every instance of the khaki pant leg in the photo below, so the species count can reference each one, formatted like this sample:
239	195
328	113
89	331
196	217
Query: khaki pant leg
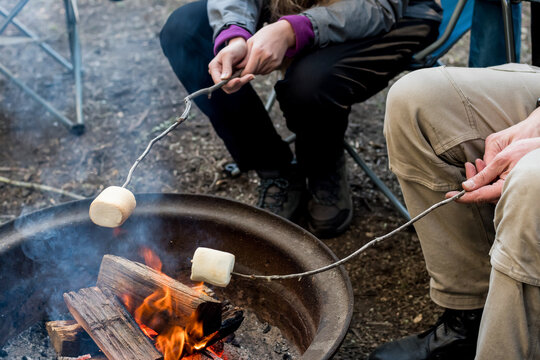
437	119
510	327
516	251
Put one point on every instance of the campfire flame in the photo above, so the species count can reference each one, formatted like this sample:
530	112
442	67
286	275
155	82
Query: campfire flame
171	340
151	259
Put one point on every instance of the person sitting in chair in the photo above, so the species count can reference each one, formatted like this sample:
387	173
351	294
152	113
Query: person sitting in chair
338	53
448	128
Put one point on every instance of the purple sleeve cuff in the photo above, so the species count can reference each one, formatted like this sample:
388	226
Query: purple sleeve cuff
227	34
303	32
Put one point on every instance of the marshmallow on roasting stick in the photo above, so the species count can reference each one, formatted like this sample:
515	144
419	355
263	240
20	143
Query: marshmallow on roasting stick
112	207
212	266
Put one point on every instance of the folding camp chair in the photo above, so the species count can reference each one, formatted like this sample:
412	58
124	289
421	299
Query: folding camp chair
74	66
509	30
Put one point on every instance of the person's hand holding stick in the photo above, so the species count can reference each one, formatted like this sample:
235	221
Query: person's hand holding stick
485	178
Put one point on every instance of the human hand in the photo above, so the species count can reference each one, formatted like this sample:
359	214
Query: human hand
485	180
497	142
503	150
266	49
221	66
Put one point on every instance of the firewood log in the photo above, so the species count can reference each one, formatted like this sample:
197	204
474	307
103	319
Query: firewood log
134	280
109	324
69	339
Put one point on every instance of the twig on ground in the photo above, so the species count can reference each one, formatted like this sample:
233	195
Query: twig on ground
40	187
214	182
14	169
357	252
134	125
356	333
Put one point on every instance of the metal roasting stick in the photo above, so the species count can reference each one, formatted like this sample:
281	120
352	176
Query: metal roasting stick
180	119
357	252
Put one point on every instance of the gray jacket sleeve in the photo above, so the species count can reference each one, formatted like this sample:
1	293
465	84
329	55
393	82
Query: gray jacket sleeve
339	22
353	19
244	13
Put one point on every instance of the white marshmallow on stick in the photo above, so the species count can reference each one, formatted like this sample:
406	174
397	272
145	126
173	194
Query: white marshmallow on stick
112	207
212	266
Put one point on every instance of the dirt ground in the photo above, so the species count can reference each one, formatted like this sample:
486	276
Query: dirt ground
131	94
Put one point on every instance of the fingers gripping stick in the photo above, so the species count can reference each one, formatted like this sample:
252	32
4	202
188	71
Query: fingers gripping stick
115	204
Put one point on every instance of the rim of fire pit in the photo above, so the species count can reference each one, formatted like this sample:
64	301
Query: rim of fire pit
261	241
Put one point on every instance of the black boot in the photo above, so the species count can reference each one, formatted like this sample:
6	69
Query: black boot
282	192
453	337
330	206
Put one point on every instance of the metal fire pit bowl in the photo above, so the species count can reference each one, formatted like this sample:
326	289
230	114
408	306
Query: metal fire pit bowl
49	252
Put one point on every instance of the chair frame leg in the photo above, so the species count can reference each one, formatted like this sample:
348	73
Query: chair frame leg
49	50
14	12
76	61
35	96
377	181
508	31
75	66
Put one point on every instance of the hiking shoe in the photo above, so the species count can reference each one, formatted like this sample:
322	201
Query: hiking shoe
452	337
330	206
281	192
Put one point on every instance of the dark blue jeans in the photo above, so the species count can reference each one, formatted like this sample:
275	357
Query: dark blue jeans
487	46
315	95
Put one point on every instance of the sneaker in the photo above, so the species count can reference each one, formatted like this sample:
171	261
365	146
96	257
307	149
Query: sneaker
330	206
281	192
452	337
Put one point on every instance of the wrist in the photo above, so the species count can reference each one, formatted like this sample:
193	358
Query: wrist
532	123
288	33
226	35
236	40
303	33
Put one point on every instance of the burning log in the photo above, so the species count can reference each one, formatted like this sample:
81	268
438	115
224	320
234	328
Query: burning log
109	324
136	282
69	339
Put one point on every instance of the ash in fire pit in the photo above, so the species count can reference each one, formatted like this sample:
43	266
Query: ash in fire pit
31	344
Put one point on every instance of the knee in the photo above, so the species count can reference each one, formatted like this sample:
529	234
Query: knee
410	96
183	27
305	83
523	178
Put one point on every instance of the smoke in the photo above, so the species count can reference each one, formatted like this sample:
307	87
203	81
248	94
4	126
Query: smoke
129	92
63	250
64	258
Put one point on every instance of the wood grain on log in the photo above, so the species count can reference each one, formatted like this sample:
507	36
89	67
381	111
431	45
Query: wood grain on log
69	339
109	324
